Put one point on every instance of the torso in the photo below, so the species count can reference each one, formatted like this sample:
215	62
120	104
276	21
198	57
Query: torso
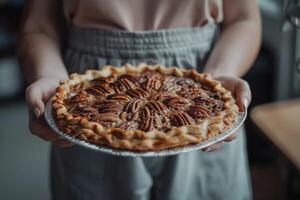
137	15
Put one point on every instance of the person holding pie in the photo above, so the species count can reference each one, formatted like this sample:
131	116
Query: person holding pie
220	37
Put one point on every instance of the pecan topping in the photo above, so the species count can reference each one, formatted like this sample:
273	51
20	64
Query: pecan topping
157	107
83	108
190	93
119	97
99	90
148	124
107	119
133	106
82	96
118	87
169	84
124	83
110	106
153	82
144	101
214	105
179	118
137	93
128	84
169	87
146	113
129	126
177	102
199	112
161	96
131	78
203	100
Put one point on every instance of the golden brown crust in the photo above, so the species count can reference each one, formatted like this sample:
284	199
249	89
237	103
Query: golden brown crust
140	140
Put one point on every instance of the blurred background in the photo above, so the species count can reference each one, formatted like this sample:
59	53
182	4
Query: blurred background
275	76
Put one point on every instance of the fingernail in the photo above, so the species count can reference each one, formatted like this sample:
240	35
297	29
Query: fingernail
36	112
246	103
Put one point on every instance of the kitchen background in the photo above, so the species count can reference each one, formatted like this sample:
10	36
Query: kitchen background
273	77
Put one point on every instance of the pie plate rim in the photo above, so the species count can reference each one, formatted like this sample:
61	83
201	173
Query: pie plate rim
48	115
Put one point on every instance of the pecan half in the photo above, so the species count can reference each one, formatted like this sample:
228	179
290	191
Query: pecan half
213	105
133	106
146	112
124	83
129	125
151	83
118	87
128	84
148	124
169	87
190	92
83	109
137	93
119	97
132	79
203	100
199	112
161	96
157	107
177	102
179	118
82	96
103	80
99	90
110	106
107	119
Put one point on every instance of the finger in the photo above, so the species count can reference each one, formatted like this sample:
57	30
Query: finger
63	143
42	130
34	98
213	147
243	95
231	137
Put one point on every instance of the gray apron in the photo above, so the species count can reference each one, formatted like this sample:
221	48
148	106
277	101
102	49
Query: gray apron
79	173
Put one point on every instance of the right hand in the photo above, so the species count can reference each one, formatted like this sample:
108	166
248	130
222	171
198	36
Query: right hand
37	94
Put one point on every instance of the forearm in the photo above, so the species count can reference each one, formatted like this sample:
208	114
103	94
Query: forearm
39	51
39	56
236	49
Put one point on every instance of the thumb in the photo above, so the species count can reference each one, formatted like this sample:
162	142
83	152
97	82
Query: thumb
243	95
34	99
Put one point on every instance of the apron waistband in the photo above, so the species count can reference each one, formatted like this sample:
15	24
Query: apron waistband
102	42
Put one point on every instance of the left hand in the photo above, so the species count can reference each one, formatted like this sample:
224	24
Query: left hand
242	94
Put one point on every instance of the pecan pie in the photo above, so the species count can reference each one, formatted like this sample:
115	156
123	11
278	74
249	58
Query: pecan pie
144	107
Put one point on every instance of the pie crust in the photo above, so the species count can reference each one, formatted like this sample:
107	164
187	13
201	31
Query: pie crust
144	107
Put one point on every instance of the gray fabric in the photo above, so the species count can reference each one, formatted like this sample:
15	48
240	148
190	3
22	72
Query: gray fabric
78	173
94	48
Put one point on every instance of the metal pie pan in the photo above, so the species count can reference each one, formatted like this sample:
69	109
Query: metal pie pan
127	153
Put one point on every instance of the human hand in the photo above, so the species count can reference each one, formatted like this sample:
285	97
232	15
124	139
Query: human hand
241	91
37	94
